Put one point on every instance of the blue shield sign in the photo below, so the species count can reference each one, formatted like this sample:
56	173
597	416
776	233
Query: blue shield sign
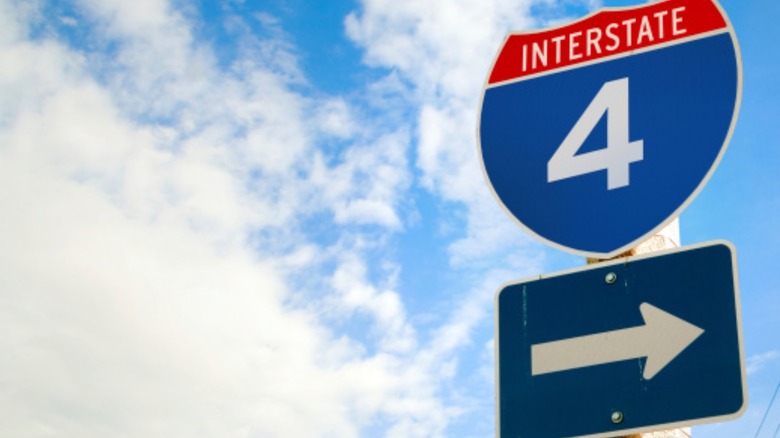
640	344
595	135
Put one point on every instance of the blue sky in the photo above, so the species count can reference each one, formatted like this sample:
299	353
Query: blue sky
268	218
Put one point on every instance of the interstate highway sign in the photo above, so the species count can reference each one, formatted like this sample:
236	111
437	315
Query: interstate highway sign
640	344
597	134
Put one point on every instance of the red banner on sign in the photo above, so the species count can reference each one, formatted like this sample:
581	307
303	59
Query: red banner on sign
607	33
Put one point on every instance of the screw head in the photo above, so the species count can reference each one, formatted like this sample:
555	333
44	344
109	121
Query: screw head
610	278
617	417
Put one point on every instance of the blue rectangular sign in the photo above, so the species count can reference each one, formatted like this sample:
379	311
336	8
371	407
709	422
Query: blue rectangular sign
638	344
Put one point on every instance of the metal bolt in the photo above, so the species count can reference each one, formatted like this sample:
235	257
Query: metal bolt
611	278
617	417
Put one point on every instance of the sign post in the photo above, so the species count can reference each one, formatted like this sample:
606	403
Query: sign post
667	238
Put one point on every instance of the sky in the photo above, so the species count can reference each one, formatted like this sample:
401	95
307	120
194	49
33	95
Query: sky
268	218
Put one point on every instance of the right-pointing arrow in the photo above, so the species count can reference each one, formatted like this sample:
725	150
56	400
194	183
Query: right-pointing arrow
660	339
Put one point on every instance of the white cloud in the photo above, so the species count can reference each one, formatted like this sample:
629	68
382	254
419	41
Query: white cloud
127	328
132	303
445	51
12	29
335	119
442	47
367	182
69	21
354	293
757	362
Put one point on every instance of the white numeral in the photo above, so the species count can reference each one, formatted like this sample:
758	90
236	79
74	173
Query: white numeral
619	153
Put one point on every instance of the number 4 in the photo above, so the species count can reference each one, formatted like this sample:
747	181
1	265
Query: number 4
619	153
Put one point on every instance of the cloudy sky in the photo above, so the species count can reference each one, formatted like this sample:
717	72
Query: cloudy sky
268	218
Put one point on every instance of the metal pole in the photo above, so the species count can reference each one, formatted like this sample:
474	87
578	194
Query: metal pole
667	238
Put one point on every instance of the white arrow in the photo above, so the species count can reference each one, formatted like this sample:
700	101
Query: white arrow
660	339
